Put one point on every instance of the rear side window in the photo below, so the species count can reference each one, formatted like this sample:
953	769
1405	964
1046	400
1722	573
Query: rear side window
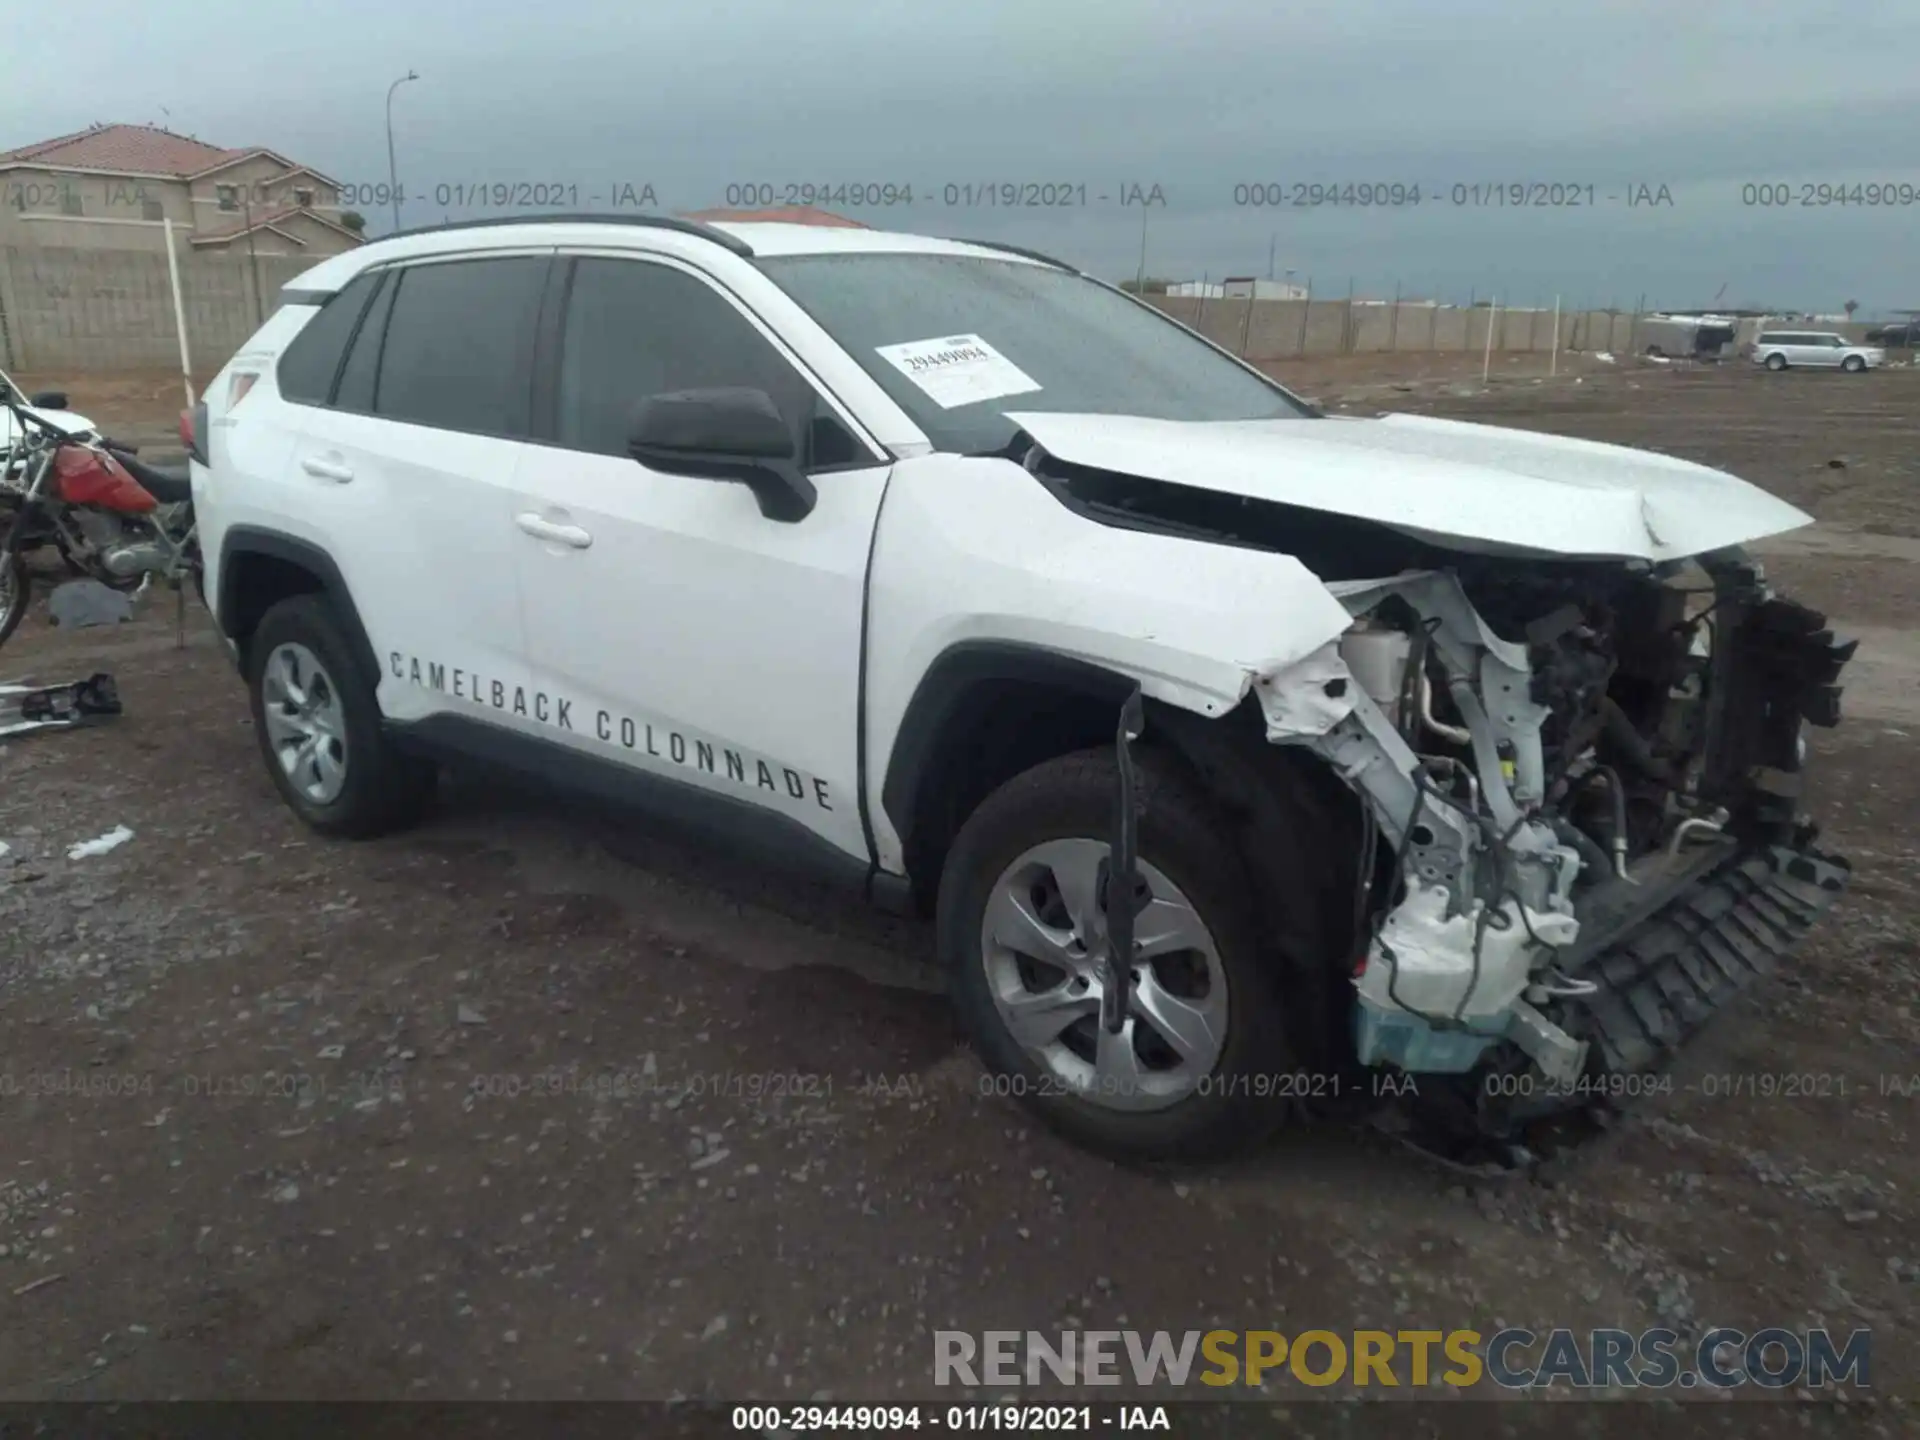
357	376
458	345
307	369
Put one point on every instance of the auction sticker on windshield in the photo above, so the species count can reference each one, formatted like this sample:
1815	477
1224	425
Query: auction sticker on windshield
958	370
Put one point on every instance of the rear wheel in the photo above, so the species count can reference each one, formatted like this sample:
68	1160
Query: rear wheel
1198	1068
1776	362
319	727
15	593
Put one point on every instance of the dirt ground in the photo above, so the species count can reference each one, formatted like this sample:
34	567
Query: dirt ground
524	1106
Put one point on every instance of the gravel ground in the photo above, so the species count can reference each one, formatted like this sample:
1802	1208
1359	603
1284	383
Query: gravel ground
523	1105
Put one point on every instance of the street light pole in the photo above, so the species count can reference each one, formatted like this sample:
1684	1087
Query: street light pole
393	178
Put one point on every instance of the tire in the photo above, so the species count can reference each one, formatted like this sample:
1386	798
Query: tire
16	594
1776	362
1230	1102
371	788
1853	364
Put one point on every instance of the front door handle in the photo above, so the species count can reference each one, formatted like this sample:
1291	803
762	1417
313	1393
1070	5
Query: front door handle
332	470
541	529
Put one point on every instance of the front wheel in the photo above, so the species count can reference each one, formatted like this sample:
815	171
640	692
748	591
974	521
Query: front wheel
1201	1065
15	592
1853	364
1776	362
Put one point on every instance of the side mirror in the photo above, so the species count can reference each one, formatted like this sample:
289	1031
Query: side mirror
732	434
49	400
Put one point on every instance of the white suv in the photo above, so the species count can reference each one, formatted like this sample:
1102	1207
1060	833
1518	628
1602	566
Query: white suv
1814	349
1240	754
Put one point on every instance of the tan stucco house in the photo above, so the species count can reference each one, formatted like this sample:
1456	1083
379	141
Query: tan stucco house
112	188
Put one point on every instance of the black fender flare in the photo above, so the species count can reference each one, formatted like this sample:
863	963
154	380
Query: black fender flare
1293	820
943	688
243	540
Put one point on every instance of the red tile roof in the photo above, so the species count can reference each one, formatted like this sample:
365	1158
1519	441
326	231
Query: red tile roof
128	149
789	215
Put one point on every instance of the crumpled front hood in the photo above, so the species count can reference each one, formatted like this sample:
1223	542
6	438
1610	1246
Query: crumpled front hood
1474	487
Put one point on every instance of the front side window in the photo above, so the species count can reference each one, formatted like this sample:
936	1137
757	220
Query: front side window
458	345
959	340
635	329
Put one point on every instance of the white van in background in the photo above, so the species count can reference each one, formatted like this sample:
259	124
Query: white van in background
1811	349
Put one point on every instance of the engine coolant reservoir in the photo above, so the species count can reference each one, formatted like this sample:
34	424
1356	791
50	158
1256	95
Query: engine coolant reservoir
1377	657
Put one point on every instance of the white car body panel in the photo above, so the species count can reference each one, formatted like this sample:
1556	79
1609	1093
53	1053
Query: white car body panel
424	538
422	533
976	549
1479	485
698	640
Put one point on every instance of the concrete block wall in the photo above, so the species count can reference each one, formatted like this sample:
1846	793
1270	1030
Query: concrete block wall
68	310
1287	329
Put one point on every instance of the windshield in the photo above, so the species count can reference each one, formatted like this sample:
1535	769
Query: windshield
957	341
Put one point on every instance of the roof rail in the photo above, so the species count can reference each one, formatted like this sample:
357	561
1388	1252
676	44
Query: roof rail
1022	251
652	222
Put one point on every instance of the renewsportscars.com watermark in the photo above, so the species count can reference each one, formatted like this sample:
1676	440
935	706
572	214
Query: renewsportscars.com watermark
1511	1359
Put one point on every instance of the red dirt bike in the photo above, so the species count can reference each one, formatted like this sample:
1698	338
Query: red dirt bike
112	517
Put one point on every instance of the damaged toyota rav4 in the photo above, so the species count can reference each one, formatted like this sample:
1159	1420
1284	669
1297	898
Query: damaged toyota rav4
1249	761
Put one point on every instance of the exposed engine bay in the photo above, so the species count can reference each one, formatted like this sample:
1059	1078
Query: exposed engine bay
1581	781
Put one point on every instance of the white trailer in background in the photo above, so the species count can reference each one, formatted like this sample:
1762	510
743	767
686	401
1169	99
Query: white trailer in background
1686	337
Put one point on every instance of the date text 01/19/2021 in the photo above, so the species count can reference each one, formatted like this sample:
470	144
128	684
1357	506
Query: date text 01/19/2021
1056	194
1462	195
907	1419
482	194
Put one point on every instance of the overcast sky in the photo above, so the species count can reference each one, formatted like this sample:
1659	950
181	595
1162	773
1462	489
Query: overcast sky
1197	97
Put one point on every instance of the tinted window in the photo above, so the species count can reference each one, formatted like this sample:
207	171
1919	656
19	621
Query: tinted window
457	344
355	390
306	371
634	329
1062	343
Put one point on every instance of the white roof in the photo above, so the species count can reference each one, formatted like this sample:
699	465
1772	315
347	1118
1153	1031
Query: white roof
766	239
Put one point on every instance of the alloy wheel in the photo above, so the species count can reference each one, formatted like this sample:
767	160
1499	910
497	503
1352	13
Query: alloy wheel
1043	943
306	723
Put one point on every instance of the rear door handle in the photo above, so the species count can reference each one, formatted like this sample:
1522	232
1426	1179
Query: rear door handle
332	470
541	529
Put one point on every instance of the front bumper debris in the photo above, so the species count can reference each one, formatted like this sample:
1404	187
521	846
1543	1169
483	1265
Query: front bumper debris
1665	979
1660	975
